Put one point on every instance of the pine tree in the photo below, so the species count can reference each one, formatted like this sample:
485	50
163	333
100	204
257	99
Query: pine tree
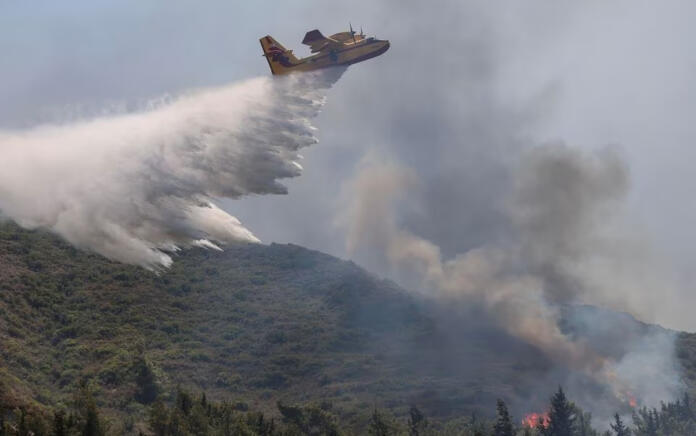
183	401
416	422
263	426
88	413
198	421
22	429
92	425
618	426
177	423
651	428
378	425
59	424
584	423
645	422
311	420
503	426
158	419
561	417
687	413
146	382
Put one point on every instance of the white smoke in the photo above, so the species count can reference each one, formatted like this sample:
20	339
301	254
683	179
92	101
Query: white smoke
562	202
136	187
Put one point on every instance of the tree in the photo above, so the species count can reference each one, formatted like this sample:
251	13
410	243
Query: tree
86	407
260	425
618	426
309	420
59	424
146	381
687	413
646	422
379	425
22	429
158	419
584	423
198	420
93	425
184	402
177	423
416	422
503	425
477	427
561	417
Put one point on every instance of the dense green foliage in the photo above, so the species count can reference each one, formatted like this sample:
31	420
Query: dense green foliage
561	417
258	328
503	426
198	416
258	324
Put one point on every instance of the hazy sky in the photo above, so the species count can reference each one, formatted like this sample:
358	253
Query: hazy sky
464	88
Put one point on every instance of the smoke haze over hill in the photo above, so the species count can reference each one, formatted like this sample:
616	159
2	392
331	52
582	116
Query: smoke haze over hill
560	251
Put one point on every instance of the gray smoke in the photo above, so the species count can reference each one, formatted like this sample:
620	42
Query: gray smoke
562	203
560	206
136	187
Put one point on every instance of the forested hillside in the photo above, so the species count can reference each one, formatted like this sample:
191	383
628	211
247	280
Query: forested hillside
254	325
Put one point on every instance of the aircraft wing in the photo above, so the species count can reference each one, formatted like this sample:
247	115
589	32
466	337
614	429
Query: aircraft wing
318	42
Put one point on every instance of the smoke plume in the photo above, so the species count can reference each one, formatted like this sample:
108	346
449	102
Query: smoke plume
560	205
136	187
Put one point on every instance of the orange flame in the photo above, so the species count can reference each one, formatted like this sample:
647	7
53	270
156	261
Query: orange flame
628	397
532	420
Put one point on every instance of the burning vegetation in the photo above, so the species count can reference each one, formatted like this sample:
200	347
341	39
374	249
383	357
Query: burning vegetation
565	418
535	420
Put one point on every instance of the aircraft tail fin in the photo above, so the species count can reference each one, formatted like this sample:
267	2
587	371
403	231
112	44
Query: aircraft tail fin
313	36
280	59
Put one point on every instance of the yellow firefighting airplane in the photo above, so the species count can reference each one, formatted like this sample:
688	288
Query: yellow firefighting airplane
342	48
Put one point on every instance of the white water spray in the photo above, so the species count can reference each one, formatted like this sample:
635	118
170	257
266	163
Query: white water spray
136	187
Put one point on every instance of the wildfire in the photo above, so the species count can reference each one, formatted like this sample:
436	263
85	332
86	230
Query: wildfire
627	397
532	420
621	390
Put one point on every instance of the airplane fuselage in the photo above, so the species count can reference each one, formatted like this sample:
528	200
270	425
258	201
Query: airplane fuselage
340	49
349	53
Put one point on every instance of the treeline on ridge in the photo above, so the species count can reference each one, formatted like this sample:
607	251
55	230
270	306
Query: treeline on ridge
195	415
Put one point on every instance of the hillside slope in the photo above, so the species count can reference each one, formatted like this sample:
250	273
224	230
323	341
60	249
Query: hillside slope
254	323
